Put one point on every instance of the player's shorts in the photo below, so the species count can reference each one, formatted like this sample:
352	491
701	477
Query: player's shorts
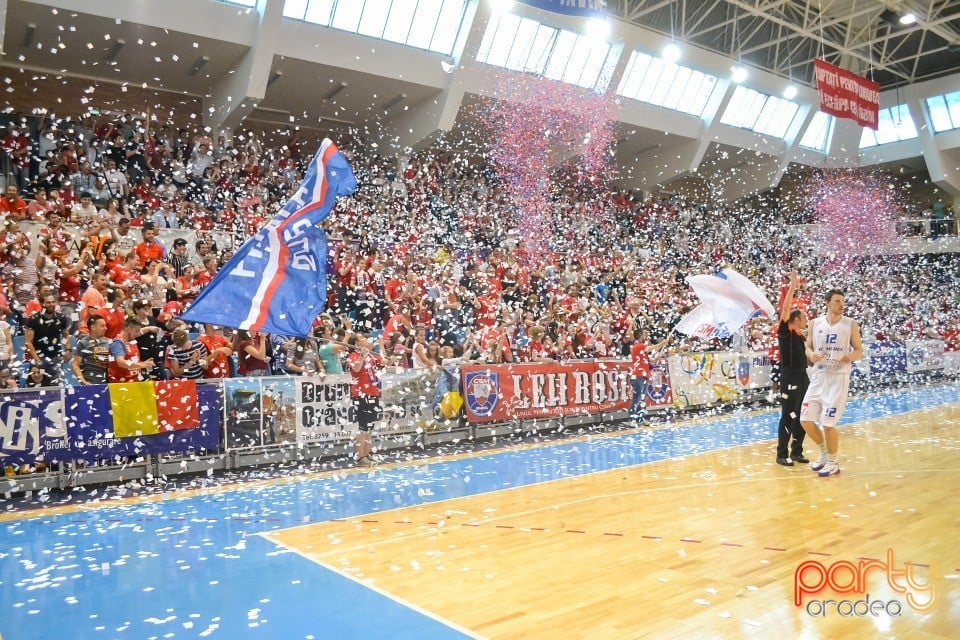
826	398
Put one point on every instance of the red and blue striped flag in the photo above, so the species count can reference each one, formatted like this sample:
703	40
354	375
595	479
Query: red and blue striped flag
277	281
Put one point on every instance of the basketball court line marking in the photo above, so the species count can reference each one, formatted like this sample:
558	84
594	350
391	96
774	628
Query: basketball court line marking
372	587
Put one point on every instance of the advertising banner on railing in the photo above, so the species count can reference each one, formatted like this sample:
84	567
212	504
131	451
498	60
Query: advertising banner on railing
140	418
545	390
259	411
323	408
410	401
925	355
31	426
754	370
704	378
887	357
659	392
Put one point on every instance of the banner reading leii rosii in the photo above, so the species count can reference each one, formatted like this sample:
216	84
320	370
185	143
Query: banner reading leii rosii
545	390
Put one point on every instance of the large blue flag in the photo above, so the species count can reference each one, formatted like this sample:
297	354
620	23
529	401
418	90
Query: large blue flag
277	281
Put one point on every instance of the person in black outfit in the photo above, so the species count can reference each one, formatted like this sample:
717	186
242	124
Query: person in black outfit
793	378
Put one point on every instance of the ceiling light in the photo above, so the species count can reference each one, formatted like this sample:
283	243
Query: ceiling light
336	90
28	34
908	19
118	44
400	97
738	74
199	64
597	28
790	92
671	53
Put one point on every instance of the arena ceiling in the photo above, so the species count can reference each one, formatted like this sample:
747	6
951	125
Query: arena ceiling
784	36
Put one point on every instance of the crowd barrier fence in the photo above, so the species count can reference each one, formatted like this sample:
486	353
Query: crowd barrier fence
140	432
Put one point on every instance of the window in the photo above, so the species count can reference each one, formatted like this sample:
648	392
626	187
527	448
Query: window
893	125
819	132
767	115
425	24
945	111
666	84
521	44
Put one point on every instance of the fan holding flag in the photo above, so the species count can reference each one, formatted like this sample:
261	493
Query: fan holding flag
277	281
728	301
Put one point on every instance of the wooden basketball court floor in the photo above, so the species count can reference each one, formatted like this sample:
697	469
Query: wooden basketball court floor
681	531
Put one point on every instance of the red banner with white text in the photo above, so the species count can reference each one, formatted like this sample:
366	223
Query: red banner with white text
847	95
545	390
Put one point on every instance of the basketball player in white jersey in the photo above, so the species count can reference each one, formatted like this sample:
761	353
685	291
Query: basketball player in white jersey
833	343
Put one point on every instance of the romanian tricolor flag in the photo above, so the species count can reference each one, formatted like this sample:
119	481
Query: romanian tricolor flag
147	408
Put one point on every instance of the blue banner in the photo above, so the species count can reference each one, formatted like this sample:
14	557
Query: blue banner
89	424
277	281
582	8
30	427
887	357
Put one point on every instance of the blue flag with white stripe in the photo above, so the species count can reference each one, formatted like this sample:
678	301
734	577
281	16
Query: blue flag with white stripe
277	281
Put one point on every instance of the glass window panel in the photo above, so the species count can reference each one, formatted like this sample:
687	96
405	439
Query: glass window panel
906	130
886	129
630	82
540	51
776	117
593	65
424	23
704	94
398	24
503	40
939	114
731	114
818	133
681	79
577	60
650	80
868	138
448	26
953	104
294	9
374	18
766	119
347	16
488	37
522	44
690	100
667	79
561	55
318	11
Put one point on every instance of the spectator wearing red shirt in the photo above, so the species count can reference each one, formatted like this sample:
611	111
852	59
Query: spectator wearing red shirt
12	204
150	248
127	274
219	350
365	392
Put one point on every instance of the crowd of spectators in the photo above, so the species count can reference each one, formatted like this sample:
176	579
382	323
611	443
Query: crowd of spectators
425	257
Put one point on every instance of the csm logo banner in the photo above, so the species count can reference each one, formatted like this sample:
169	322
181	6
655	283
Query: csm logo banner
925	355
481	391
